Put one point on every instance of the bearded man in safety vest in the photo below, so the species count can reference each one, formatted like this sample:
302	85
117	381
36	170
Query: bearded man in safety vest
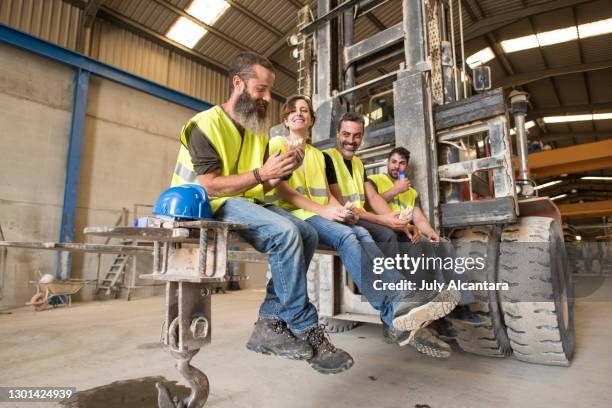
225	149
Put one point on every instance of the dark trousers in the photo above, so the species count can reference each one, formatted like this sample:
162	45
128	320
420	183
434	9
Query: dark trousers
393	242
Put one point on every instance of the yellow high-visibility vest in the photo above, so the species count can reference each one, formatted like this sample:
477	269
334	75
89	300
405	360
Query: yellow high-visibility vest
399	202
238	154
308	179
351	186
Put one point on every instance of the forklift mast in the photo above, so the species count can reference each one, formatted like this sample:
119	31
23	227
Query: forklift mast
406	81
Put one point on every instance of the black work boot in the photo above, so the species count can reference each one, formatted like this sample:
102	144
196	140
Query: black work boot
424	341
326	359
393	336
412	315
272	337
445	330
463	315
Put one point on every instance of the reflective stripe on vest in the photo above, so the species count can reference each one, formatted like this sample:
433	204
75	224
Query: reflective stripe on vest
351	186
399	202
238	154
308	179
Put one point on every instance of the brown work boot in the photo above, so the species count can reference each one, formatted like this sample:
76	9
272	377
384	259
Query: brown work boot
272	337
326	359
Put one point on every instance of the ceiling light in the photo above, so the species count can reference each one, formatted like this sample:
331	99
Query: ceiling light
520	43
577	118
596	178
558	197
578	238
567	118
293	40
480	57
549	184
557	36
595	28
186	32
207	11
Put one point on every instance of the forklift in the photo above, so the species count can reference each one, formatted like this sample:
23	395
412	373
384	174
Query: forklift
411	83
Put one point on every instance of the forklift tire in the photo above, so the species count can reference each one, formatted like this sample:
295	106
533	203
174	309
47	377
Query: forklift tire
337	325
490	339
538	307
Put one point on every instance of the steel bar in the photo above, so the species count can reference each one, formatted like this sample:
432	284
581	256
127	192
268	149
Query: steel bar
73	168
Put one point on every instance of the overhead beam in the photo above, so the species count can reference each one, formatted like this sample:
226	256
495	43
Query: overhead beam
221	35
551	137
528	77
575	109
282	42
492	23
86	22
588	209
249	14
573	159
476	14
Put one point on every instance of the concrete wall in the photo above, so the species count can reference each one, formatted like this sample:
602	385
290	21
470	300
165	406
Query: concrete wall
129	153
35	111
130	146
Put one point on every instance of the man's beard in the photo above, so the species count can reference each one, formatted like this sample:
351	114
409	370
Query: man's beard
252	113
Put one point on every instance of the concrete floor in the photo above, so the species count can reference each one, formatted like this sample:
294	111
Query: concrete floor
115	342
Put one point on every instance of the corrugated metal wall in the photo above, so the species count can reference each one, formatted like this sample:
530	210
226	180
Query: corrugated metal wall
57	22
52	20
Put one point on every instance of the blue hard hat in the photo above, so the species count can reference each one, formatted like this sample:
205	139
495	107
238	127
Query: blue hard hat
184	201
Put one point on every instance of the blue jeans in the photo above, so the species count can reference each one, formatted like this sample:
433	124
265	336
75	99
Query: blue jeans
290	243
357	248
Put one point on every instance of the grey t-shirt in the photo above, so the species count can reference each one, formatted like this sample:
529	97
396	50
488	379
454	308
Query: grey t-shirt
204	155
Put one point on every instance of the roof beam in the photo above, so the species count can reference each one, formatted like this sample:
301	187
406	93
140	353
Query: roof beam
551	137
527	77
476	14
562	110
297	4
249	14
86	22
221	35
492	23
589	209
152	35
283	41
139	29
573	159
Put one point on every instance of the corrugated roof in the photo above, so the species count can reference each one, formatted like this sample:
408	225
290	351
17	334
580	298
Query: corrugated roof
245	32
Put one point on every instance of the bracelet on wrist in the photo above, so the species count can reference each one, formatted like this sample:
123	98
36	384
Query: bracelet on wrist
257	176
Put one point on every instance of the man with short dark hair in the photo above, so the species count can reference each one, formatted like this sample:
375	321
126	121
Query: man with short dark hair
225	149
394	186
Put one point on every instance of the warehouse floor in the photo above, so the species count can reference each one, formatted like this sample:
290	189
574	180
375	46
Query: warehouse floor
109	351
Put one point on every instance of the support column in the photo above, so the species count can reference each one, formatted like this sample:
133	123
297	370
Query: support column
73	170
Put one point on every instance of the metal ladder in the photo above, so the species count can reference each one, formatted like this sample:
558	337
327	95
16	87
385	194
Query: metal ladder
111	283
